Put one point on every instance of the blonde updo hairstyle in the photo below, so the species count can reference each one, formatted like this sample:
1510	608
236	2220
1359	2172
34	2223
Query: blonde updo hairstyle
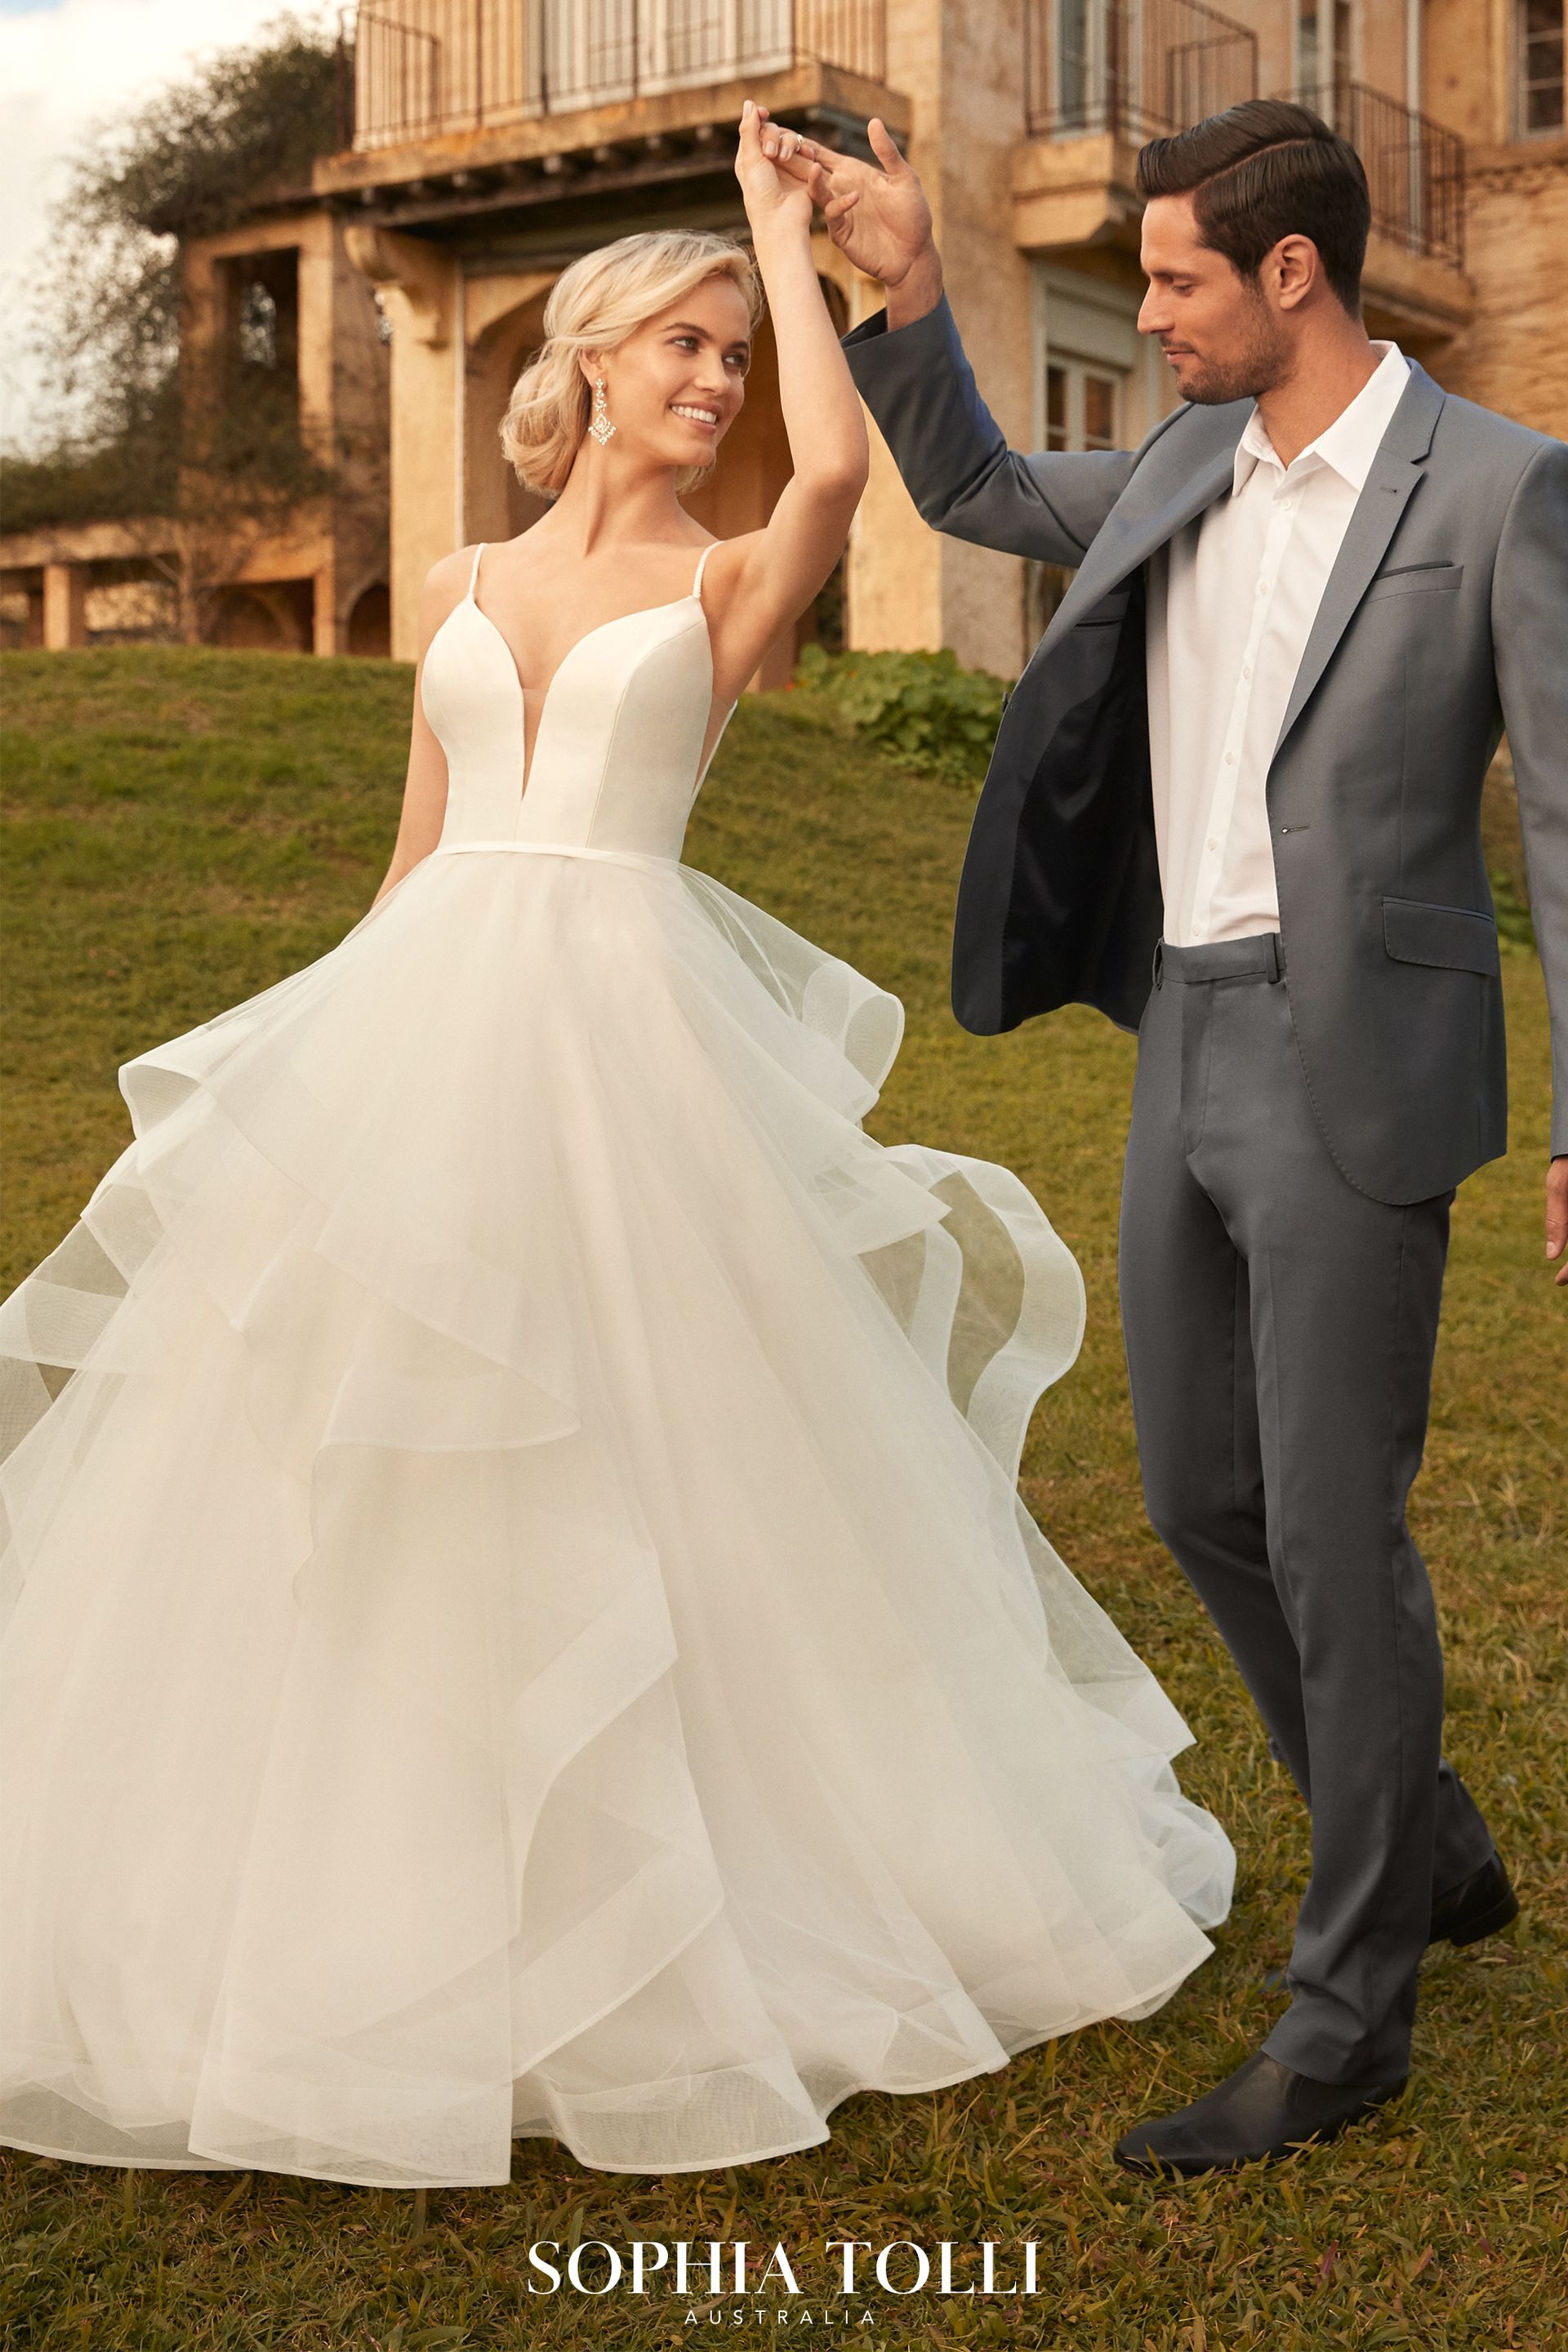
594	305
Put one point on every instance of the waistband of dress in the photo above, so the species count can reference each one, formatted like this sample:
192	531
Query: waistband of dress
1260	956
647	858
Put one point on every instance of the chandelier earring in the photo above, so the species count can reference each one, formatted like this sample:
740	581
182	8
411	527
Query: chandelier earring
601	428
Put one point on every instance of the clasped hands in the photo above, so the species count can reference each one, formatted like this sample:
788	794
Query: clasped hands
875	214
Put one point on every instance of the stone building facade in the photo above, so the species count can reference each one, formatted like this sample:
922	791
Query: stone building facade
486	142
278	321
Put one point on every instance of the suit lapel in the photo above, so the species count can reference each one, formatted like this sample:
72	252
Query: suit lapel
1150	511
1392	481
1202	445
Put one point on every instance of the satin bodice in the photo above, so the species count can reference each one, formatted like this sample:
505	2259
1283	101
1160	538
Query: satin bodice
617	757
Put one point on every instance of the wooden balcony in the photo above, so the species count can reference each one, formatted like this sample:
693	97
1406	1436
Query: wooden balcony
452	109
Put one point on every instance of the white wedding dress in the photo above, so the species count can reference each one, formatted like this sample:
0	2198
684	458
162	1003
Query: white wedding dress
520	1617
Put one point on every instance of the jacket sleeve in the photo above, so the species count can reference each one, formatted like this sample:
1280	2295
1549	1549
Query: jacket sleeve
1530	606
956	465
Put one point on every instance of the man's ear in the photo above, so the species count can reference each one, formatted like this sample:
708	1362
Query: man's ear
1291	271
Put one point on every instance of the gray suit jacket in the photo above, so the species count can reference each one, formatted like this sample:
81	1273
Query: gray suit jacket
1445	617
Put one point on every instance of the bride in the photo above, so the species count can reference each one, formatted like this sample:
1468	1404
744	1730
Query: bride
521	1620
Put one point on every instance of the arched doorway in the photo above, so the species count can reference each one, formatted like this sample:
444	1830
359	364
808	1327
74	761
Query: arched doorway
265	616
497	505
370	623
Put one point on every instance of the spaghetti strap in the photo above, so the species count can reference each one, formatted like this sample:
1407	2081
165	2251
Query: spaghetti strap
701	560
474	575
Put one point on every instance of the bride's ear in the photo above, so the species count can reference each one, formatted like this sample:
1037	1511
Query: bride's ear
591	365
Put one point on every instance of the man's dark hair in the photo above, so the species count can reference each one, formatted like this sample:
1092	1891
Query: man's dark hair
1263	170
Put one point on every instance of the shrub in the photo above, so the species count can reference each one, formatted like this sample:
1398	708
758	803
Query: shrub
1513	917
924	709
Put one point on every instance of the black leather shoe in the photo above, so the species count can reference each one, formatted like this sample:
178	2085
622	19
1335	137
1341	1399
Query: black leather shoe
1478	1906
1261	2113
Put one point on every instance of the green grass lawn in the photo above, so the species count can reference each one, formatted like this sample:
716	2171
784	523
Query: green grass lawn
186	828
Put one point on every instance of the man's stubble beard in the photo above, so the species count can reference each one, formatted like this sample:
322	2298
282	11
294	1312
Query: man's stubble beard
1261	365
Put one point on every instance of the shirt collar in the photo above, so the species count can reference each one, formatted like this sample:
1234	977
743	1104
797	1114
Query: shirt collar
1350	443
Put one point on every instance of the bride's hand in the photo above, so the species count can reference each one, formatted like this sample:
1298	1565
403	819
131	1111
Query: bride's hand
770	196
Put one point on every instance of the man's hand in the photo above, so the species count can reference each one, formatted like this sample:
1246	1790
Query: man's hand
875	214
1557	1217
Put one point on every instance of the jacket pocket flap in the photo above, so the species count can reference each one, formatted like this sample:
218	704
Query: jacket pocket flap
1416	578
1456	936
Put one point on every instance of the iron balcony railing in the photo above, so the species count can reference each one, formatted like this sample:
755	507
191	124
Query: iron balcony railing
422	68
1414	167
1137	68
1141	68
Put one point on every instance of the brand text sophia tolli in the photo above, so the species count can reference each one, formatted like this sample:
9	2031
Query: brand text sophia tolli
732	2266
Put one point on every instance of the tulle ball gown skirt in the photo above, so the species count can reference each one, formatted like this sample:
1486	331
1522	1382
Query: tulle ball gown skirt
520	1620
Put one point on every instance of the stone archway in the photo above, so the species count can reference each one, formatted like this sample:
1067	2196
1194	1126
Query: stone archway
496	505
264	616
369	631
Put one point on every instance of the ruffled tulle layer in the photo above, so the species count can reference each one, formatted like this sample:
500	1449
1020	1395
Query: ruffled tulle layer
520	1617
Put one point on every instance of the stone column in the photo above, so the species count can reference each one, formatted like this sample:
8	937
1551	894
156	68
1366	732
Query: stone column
423	289
65	607
989	284
893	571
325	634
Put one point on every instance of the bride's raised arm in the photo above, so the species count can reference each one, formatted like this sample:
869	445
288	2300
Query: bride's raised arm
764	578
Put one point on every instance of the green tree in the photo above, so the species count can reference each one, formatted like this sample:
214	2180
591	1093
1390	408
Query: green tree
135	426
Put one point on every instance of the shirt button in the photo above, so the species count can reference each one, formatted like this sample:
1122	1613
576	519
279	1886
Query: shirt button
1214	845
1230	759
1246	669
1263	587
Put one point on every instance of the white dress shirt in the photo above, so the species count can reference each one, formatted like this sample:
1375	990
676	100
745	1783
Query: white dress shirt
1232	599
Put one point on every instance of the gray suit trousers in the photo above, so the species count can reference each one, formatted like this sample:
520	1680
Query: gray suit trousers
1280	1326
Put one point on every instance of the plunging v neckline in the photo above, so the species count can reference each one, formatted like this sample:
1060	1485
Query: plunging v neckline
692	597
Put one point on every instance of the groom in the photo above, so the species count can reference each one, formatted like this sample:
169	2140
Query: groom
1235	804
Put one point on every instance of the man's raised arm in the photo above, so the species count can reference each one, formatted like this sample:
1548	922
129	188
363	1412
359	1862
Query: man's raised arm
909	368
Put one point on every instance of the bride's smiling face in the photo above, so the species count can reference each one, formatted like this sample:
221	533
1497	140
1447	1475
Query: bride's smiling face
675	384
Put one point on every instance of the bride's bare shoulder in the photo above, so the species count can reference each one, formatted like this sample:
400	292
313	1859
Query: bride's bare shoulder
446	585
451	572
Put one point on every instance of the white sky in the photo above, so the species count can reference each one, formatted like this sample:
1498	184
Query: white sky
64	64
